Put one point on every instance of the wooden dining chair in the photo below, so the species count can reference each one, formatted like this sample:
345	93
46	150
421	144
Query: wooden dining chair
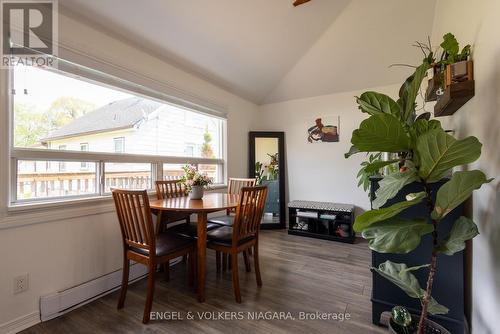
243	235
170	189
141	243
234	186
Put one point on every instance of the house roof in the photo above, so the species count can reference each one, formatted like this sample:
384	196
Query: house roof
121	114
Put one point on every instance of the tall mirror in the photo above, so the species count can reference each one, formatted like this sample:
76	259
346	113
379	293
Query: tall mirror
267	165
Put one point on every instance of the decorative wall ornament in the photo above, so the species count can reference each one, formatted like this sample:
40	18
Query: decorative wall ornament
326	129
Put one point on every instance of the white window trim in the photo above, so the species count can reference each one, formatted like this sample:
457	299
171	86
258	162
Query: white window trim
100	159
156	162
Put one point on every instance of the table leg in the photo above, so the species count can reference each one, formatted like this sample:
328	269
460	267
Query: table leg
202	251
158	222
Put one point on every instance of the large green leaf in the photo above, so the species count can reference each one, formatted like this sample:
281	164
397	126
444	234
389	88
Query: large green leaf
457	190
422	126
395	235
377	165
352	150
375	103
409	91
381	133
401	275
391	184
438	152
373	216
435	308
463	229
450	46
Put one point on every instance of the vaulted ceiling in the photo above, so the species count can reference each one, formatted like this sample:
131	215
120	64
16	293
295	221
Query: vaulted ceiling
268	51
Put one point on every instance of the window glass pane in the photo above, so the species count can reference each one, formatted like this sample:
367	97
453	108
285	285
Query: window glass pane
127	176
172	171
45	179
60	111
212	171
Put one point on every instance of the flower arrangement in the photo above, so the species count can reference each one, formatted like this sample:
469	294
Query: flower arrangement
193	178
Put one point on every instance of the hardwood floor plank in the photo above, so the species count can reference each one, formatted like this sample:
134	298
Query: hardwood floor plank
299	275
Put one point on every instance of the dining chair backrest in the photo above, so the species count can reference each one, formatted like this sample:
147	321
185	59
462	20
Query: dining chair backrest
249	212
234	187
169	189
134	215
235	184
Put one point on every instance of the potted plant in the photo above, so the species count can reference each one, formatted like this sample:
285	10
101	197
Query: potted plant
457	66
425	154
453	66
194	181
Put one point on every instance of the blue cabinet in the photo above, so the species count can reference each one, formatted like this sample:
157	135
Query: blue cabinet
449	285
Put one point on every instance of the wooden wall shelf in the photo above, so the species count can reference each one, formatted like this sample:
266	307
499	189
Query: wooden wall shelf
455	96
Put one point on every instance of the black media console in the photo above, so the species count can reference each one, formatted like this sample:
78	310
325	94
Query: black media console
322	220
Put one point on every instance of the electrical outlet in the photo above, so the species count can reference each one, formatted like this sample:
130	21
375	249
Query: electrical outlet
21	283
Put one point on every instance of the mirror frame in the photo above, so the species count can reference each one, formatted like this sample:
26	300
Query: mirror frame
252	135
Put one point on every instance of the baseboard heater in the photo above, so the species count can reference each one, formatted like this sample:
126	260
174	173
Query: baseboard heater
59	303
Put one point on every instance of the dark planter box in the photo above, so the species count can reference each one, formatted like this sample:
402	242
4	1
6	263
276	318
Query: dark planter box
448	288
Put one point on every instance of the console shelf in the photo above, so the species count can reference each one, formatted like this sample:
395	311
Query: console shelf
322	220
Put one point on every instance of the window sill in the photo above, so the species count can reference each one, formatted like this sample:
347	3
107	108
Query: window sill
29	213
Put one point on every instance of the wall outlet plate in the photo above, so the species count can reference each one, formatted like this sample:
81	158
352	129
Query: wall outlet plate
21	283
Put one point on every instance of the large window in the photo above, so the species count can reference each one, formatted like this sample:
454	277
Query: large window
90	137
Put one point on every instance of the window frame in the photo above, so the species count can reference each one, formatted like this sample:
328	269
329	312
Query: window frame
17	153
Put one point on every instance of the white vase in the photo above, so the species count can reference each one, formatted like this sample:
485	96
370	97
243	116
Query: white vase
196	192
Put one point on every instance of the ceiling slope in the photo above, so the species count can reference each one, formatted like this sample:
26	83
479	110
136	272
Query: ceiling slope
243	46
357	49
268	51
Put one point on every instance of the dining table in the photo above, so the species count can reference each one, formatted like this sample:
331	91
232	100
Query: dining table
211	202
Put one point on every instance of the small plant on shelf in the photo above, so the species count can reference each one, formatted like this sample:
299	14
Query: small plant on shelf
426	154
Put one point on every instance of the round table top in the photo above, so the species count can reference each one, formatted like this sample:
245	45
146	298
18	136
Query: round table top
209	202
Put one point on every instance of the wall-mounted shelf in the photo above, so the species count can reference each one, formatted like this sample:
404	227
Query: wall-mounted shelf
454	97
458	80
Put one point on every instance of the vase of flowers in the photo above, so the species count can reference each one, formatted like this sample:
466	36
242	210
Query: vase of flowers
194	181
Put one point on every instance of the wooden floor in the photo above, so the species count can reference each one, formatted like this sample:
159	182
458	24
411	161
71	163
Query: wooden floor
299	275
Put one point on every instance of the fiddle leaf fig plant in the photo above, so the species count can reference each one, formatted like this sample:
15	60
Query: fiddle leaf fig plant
427	154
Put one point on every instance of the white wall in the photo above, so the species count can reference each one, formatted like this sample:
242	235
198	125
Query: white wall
63	247
318	171
476	22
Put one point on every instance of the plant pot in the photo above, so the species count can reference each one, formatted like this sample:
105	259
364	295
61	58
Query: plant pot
459	72
433	328
196	192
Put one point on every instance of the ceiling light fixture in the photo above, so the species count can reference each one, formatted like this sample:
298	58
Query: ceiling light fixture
299	2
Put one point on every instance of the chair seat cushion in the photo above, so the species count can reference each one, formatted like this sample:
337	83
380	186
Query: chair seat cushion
191	229
167	243
222	220
224	236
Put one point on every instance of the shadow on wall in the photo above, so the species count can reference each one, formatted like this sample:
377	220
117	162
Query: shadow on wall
488	216
489	224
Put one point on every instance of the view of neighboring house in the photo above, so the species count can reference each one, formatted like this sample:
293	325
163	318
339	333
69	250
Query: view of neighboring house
122	126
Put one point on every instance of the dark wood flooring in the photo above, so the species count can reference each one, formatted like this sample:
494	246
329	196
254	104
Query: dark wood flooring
299	275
